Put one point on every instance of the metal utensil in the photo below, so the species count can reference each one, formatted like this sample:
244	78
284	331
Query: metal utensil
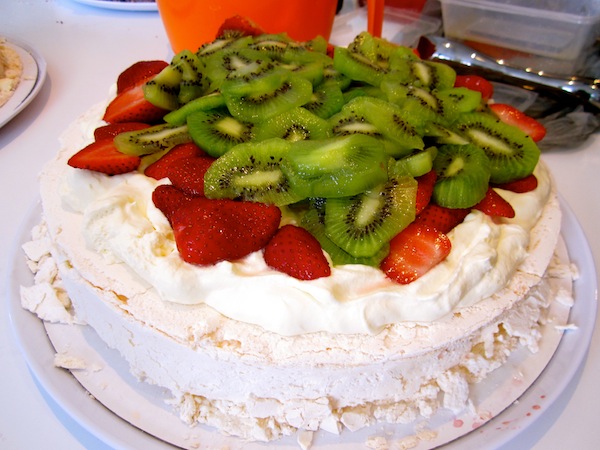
569	90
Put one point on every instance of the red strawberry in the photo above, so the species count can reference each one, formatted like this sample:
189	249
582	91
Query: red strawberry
132	106
441	218
103	156
424	190
527	184
296	252
494	205
512	116
112	129
187	174
169	199
160	168
414	251
241	25
139	72
475	83
208	231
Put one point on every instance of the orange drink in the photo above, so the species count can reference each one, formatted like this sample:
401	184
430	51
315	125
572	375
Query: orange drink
191	23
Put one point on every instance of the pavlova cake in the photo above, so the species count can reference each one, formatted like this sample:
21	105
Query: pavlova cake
288	236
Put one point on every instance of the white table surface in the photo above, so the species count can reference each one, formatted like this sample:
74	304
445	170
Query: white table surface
85	48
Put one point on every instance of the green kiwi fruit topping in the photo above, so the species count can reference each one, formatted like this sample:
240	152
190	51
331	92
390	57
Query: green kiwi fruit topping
335	167
216	130
362	224
294	125
463	176
252	172
512	154
152	139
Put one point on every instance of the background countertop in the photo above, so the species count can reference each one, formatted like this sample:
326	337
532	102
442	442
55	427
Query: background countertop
85	48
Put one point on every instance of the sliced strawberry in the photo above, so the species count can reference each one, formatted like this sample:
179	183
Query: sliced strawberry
160	169
425	185
112	129
103	156
494	205
208	231
527	184
475	83
241	25
132	106
414	251
169	199
187	174
441	218
139	72
512	116
296	252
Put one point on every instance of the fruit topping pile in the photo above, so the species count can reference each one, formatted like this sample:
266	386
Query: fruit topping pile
367	153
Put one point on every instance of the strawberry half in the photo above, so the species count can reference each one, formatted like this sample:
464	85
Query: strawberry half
415	251
425	184
240	25
112	129
475	83
512	116
160	168
493	204
103	156
132	106
441	218
527	184
296	252
139	72
208	231
187	174
169	199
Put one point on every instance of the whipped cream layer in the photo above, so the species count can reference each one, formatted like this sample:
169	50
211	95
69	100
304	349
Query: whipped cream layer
120	222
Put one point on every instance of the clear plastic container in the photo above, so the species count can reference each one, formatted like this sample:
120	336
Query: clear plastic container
563	30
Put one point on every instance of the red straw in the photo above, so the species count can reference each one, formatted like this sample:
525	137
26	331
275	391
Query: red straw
375	17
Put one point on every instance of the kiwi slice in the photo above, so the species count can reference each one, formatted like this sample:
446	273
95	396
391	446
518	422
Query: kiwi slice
463	175
243	64
358	66
216	130
363	90
193	84
333	76
420	104
228	42
425	74
314	221
266	96
392	122
326	100
273	45
419	162
293	125
152	139
335	167
442	134
163	89
512	154
204	103
252	172
363	224
462	99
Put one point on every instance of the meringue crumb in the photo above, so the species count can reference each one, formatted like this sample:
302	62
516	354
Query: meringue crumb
377	443
305	439
65	361
567	327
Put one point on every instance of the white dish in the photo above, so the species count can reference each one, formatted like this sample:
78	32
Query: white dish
121	5
32	79
107	379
